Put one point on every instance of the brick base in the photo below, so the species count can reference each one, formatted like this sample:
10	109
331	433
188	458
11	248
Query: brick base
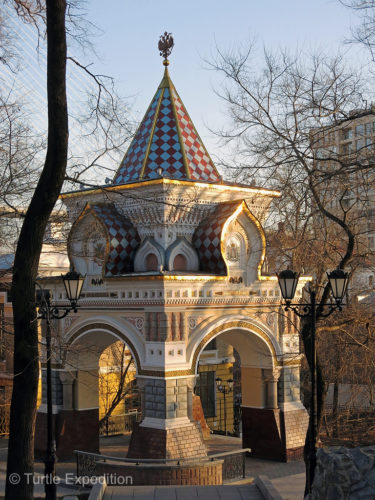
74	430
274	435
182	442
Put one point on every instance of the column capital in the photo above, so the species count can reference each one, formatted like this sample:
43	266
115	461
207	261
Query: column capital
67	377
272	375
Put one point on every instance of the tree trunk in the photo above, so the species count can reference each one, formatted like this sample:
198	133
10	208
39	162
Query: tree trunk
26	356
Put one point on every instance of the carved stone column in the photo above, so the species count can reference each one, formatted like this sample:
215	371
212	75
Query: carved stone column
190	390
271	379
67	380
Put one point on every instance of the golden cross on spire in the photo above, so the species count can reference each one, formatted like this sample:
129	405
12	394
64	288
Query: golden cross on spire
165	46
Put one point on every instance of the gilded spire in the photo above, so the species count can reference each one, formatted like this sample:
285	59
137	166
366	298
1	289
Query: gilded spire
165	46
166	139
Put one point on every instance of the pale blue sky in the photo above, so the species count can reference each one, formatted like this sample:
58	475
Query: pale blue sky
127	49
128	44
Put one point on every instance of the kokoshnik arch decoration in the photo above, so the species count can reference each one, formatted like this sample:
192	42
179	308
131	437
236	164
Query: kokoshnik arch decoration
173	256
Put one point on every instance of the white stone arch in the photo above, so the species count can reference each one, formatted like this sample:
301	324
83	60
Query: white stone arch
85	342
259	354
246	334
182	246
149	245
102	331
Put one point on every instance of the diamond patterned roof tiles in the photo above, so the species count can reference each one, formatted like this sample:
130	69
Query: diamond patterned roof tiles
166	138
208	235
122	238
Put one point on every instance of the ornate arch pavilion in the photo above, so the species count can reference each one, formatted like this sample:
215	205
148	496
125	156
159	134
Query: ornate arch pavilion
173	256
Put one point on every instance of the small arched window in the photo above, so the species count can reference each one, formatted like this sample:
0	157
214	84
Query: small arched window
151	262
180	263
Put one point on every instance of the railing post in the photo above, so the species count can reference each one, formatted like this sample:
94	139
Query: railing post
77	468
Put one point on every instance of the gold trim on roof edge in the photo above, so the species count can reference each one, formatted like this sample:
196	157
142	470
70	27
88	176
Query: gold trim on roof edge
147	152
171	278
182	144
165	180
134	137
197	134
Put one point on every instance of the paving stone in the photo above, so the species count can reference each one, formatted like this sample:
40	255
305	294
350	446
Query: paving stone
165	493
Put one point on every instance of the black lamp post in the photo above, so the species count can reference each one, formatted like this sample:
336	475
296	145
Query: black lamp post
224	389
73	283
288	281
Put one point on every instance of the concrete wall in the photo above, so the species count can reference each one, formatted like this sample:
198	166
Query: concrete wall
252	387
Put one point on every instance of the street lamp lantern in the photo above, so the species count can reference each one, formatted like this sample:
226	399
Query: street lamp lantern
288	281
73	283
338	279
225	388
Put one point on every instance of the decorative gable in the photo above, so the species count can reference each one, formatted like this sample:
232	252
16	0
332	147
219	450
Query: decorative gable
231	241
207	238
121	237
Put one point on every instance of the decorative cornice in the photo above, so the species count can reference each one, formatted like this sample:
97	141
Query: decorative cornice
155	182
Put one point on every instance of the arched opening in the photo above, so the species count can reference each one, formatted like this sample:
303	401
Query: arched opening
264	403
243	357
180	263
97	379
220	401
151	262
119	400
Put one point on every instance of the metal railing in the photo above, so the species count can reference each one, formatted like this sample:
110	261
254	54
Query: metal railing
233	462
119	424
4	419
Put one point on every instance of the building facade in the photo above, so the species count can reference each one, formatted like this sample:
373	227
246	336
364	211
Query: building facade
173	260
349	147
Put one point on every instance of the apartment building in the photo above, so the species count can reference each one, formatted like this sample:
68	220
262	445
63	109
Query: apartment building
350	146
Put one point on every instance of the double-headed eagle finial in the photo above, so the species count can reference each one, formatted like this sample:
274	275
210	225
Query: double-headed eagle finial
165	46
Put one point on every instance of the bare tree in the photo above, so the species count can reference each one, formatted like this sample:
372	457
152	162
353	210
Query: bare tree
364	33
26	355
281	113
52	17
113	390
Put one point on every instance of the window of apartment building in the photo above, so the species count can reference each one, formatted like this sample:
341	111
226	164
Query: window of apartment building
371	280
347	134
321	153
206	389
369	142
360	129
358	144
371	242
368	129
347	149
331	137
